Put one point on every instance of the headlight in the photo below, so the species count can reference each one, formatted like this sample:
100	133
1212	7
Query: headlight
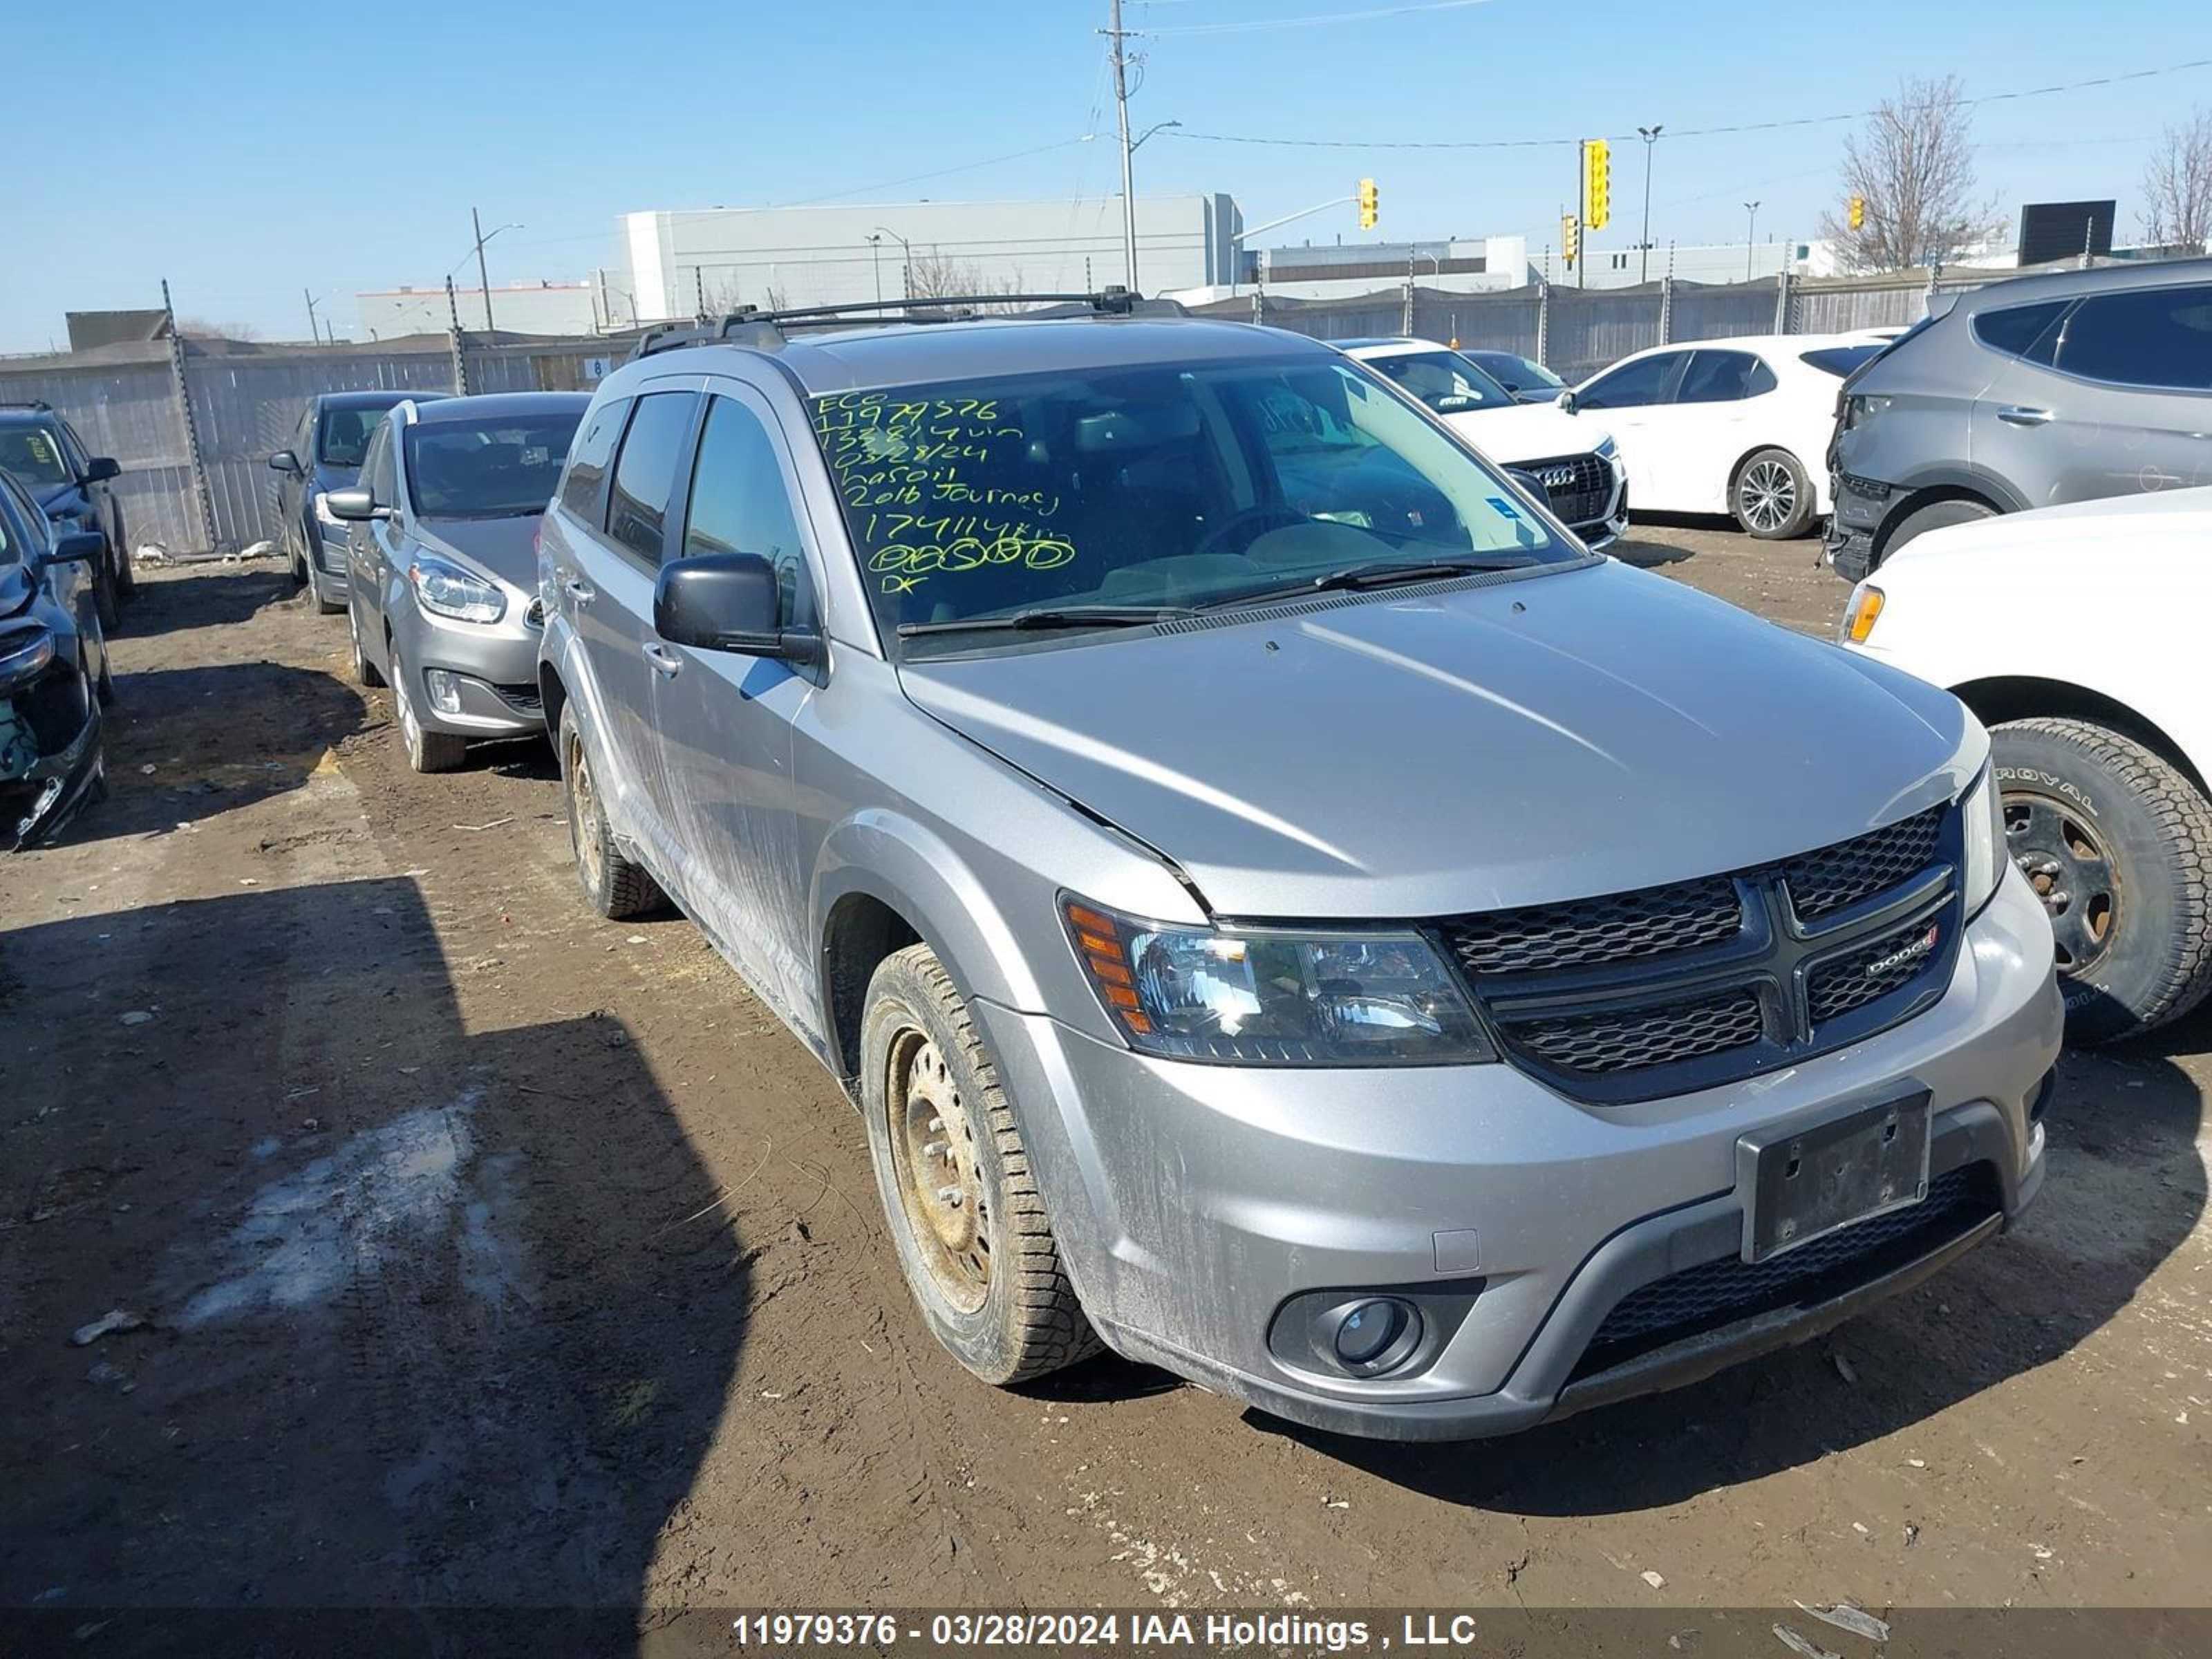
1607	449
1276	999
446	590
1983	812
323	514
1861	615
24	655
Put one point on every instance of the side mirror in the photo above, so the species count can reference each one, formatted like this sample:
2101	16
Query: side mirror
101	468
356	504
285	461
728	602
76	547
1566	400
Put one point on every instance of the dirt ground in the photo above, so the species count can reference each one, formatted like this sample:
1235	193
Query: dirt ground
489	1252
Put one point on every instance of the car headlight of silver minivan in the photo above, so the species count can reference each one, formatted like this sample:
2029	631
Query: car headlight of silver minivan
1982	813
444	589
1266	998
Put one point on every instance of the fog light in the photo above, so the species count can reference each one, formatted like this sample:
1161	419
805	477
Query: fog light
445	690
1367	1330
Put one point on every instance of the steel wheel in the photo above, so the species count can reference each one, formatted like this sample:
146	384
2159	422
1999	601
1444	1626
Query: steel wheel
1766	495
2067	863
583	819
933	1146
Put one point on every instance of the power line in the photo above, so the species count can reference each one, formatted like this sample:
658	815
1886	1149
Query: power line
1672	132
1252	24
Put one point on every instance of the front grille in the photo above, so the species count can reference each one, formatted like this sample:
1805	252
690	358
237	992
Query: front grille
1857	869
1618	928
1629	1040
1845	982
524	699
1579	487
1717	1293
1696	983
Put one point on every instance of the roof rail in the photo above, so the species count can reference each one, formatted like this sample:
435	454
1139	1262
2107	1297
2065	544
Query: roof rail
28	403
751	326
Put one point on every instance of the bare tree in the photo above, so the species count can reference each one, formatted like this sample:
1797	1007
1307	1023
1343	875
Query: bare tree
1913	166
2177	186
936	276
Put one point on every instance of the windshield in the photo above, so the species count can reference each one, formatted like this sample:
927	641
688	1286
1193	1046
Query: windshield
1840	360
345	434
1167	485
31	453
502	470
1443	379
1515	370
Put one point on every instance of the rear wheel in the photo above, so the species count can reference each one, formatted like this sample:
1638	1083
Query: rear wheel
427	751
1934	516
2117	844
1772	497
969	1225
617	889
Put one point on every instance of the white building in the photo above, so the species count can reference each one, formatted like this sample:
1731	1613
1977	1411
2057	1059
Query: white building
675	265
516	308
1607	263
1338	270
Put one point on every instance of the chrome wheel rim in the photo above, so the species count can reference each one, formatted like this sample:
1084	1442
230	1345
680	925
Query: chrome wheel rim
1767	495
933	1158
2068	866
583	818
411	729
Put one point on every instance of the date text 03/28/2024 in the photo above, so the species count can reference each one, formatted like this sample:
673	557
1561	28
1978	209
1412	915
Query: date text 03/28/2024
1077	1631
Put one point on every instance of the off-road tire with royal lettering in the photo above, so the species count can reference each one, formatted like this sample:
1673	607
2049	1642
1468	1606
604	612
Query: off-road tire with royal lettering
1029	1321
2157	828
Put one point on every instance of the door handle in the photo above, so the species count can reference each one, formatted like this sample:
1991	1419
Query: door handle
2019	415
579	590
663	663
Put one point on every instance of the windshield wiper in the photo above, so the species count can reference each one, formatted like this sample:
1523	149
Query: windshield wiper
1361	576
1070	616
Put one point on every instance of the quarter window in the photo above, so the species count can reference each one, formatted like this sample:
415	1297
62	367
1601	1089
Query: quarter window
2026	331
644	472
2153	336
739	503
1633	384
584	485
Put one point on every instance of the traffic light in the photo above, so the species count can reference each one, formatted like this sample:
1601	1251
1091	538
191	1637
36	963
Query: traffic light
1858	213
1570	236
1369	207
1597	183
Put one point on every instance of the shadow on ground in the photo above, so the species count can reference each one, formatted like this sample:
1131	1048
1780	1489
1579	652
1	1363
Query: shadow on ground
2125	1188
206	595
432	1319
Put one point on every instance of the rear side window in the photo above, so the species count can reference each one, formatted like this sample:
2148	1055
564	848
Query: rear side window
645	472
1723	377
2155	336
2028	331
584	485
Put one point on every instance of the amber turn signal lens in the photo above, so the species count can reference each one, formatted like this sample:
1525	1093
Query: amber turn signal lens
1866	608
1098	942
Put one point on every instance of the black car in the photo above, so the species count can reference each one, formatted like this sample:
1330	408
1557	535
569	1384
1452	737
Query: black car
72	486
1529	381
53	671
325	454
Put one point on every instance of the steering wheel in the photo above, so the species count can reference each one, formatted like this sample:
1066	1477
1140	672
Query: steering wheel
1257	520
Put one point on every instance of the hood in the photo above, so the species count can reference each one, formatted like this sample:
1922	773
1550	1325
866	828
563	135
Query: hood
1527	432
54	496
507	548
325	477
1553	737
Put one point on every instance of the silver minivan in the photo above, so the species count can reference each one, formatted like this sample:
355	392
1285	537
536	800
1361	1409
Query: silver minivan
1284	910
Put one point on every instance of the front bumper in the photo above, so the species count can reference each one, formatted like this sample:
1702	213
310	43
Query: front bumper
1848	543
52	760
327	567
491	667
1193	1202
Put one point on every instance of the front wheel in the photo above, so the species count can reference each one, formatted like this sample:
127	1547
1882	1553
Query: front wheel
1773	498
427	751
969	1225
2117	844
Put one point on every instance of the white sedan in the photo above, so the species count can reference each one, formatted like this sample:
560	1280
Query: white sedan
1738	426
2075	633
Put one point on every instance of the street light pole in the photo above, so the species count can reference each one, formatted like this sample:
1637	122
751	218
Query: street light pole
906	278
1750	231
484	280
1651	137
1119	36
313	333
875	259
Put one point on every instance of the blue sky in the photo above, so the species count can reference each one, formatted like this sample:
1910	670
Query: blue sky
247	150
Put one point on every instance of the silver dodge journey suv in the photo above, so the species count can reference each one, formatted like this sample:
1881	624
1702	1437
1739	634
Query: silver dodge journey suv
1284	908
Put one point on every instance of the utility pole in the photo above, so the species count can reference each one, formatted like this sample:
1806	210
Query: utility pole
875	259
483	278
1120	36
1750	231
1651	137
315	334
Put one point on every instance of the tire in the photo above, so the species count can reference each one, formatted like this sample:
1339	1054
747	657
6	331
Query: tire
2118	844
364	672
983	1264
614	887
427	751
105	599
1771	496
126	573
1934	516
104	687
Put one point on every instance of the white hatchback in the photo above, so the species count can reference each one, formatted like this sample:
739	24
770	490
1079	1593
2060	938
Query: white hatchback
1573	463
1738	426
